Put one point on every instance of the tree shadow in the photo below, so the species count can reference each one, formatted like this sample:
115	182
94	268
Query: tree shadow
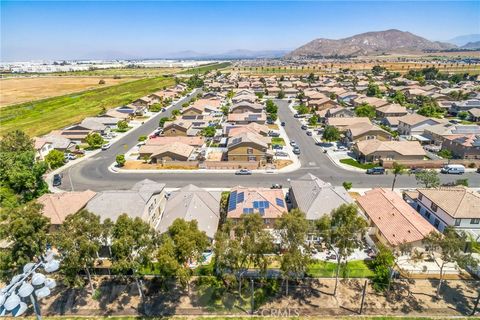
161	298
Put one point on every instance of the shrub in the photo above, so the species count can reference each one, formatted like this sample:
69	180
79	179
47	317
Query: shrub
142	138
101	82
120	160
471	165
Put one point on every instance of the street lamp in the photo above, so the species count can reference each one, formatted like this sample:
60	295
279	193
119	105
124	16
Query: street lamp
28	285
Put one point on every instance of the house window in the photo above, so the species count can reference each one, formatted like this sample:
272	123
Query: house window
427	214
434	207
249	151
457	222
266	221
420	196
475	221
252	158
436	223
418	207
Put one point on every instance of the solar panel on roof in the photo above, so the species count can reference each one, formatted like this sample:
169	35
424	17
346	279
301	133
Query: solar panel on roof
279	202
262	211
240	197
232	201
247	210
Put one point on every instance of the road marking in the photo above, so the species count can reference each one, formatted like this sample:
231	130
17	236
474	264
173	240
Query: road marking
312	164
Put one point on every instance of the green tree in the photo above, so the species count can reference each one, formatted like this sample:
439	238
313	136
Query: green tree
292	229
25	229
94	140
302	109
19	171
78	241
399	97
133	242
281	94
230	94
341	231
162	121
462	115
120	159
271	107
313	121
259	95
175	113
373	90
365	110
429	178
347	185
449	248
331	133
122	125
430	109
378	70
311	78
446	154
382	266
55	159
397	169
225	110
208	132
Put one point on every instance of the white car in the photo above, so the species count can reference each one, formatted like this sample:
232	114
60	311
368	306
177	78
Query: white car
106	146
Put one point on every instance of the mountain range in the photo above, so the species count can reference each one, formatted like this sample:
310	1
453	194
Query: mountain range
464	40
369	43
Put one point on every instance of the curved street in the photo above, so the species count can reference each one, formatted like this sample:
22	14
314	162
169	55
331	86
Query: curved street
93	173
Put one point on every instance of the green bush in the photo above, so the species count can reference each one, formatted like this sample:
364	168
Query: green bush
142	138
355	163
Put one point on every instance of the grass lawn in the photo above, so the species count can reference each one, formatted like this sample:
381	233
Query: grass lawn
42	116
109	73
355	163
278	141
354	269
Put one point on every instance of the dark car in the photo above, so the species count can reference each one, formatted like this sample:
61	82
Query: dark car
282	123
276	186
478	170
277	147
309	133
273	134
270	121
376	170
416	170
57	180
304	127
281	154
296	150
243	172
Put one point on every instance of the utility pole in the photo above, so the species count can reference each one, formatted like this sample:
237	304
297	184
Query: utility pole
363	295
252	294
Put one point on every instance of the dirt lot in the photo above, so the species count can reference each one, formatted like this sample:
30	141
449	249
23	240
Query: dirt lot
312	298
18	90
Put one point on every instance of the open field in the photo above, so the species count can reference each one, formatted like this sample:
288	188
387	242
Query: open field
206	68
122	72
42	116
18	90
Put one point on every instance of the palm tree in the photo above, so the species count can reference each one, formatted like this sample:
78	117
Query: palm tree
397	169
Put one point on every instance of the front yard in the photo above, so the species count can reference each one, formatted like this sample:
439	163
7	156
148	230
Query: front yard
355	163
278	141
353	269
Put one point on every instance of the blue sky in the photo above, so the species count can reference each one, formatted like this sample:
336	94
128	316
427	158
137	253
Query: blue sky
92	29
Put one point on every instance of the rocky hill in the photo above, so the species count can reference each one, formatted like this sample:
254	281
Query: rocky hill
472	45
369	43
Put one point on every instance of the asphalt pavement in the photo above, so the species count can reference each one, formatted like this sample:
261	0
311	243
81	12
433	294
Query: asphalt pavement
93	173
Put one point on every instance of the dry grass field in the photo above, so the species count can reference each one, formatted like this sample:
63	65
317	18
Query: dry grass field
18	90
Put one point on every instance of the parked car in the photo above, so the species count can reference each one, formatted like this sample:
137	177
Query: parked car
293	143
296	150
57	180
163	109
304	127
270	121
309	133
243	172
276	186
78	151
478	170
69	156
277	147
273	134
281	154
416	170
106	146
453	169
376	170
282	123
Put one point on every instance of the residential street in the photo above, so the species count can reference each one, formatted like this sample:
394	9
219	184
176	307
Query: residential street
93	172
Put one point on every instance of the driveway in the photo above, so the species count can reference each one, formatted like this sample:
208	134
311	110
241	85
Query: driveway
93	173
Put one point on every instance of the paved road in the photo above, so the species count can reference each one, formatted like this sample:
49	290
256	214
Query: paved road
93	173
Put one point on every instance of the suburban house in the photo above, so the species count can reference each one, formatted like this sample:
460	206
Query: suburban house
463	147
58	206
246	118
179	127
322	103
175	151
364	131
392	221
440	132
192	203
316	197
391	122
339	112
42	147
233	130
59	142
373	101
145	200
269	203
415	124
343	123
474	114
376	150
196	141
245	107
456	207
391	110
459	106
248	146
347	97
